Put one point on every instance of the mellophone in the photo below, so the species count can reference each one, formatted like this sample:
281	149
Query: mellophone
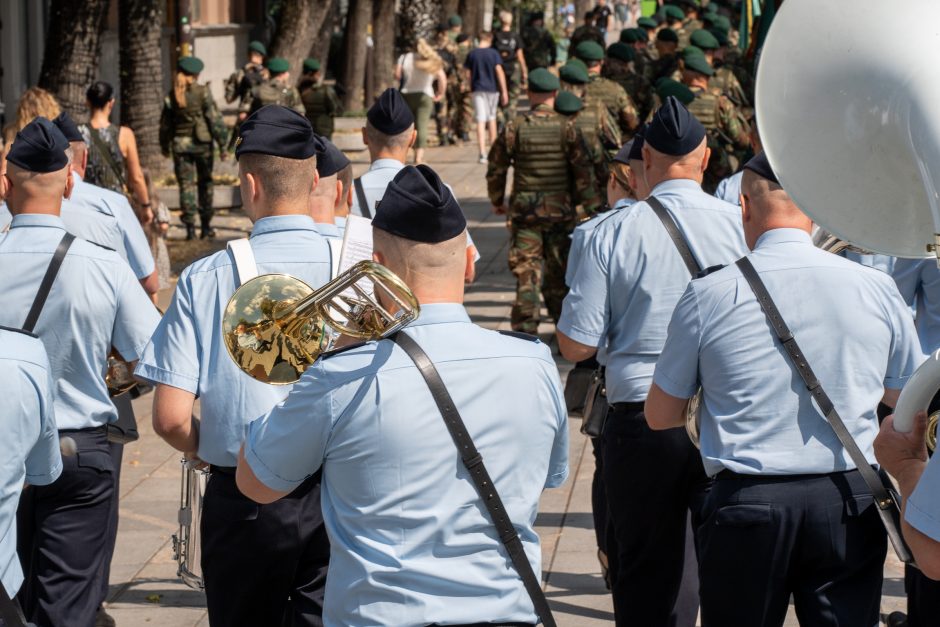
274	327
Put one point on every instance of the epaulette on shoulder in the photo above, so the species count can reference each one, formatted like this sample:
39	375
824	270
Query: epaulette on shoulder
709	270
520	336
23	331
101	245
342	349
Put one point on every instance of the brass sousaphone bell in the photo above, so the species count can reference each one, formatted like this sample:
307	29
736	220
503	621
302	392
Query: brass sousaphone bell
275	326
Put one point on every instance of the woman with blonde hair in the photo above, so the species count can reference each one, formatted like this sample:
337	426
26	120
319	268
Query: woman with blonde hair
34	102
189	124
417	72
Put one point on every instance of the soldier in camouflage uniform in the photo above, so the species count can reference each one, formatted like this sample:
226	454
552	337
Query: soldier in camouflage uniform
594	113
189	124
538	45
572	107
690	23
459	105
275	90
552	175
443	112
666	62
610	93
725	127
238	86
320	101
619	67
724	81
508	43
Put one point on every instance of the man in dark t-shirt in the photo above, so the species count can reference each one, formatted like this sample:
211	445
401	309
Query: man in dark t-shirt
508	44
603	15
487	88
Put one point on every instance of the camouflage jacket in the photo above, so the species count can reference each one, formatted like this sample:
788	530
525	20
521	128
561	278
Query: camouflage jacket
321	105
191	128
553	171
635	84
239	84
720	117
616	100
273	91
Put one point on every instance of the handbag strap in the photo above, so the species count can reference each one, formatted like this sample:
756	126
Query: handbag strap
675	235
361	197
10	610
883	498
105	152
47	280
473	462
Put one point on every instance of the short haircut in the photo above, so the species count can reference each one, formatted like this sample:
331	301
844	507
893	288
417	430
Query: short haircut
378	139
486	36
345	177
281	178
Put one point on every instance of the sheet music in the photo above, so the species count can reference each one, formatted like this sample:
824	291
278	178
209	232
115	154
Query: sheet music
357	242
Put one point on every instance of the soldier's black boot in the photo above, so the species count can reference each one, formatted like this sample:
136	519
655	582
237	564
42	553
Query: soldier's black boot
207	231
190	231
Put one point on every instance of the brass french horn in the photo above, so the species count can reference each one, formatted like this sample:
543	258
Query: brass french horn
275	326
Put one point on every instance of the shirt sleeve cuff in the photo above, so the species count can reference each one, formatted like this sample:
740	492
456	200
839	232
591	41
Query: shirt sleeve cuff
159	375
921	520
895	383
578	335
672	388
45	478
556	479
264	474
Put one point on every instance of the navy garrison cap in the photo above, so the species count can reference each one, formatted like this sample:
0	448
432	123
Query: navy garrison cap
390	113
674	131
330	159
65	124
39	147
418	206
623	155
761	167
636	145
277	131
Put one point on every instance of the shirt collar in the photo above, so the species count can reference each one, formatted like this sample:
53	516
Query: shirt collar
781	236
327	230
340	222
623	202
273	224
37	219
381	164
676	185
77	177
438	313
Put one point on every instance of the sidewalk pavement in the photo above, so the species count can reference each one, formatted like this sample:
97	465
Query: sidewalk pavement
144	588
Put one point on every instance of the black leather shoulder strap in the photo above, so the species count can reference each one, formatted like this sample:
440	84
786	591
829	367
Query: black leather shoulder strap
364	207
675	235
519	335
57	257
473	462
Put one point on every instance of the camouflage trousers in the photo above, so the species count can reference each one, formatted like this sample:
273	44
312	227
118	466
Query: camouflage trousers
538	255
194	176
460	109
514	87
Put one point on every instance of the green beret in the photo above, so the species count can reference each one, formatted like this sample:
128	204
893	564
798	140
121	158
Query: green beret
629	36
567	103
541	81
454	20
621	51
277	65
720	36
641	34
698	63
311	65
574	73
257	46
190	65
691	3
589	51
578	62
667	34
646	22
667	87
711	8
722	22
704	40
689	51
673	12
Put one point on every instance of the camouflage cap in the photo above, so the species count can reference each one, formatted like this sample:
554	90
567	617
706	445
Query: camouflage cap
277	65
704	39
667	87
698	63
257	46
567	103
541	81
589	51
667	34
646	22
311	65
574	73
621	52
190	65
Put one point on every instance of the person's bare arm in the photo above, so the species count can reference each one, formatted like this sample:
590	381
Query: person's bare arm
127	142
251	486
664	411
173	418
572	350
525	69
503	92
151	285
441	79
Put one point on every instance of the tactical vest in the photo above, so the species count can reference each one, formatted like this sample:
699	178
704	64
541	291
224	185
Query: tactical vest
705	109
189	121
271	92
318	109
605	90
539	160
613	138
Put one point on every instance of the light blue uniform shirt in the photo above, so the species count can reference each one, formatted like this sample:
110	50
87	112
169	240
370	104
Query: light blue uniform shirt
729	190
632	276
30	439
883	263
923	506
328	230
341	225
918	281
187	351
582	235
95	302
410	541
757	415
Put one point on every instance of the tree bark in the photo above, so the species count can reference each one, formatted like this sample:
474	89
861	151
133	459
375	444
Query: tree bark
418	19
298	24
580	8
73	48
354	70
140	26
383	34
448	8
320	48
472	13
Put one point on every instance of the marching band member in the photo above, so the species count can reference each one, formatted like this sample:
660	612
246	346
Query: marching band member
260	563
626	286
411	543
93	302
789	513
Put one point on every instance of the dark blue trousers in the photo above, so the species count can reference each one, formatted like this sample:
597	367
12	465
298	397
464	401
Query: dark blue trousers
653	479
263	564
62	532
815	537
923	598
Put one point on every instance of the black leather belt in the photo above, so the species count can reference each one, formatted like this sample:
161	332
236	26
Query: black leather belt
222	470
739	476
627	408
89	430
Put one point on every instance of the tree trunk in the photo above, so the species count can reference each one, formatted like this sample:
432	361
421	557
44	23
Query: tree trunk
418	19
140	25
472	13
320	48
73	47
383	54
298	24
354	70
580	8
448	8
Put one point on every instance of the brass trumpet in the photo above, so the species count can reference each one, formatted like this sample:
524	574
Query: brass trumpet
275	326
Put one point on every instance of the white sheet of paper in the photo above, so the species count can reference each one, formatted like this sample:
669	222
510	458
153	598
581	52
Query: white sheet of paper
357	242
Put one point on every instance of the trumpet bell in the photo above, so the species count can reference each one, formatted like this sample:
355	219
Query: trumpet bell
851	127
253	326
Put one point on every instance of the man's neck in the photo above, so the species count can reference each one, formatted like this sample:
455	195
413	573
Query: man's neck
385	154
672	174
35	206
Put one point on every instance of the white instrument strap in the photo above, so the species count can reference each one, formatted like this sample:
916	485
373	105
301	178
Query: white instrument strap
336	252
245	267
